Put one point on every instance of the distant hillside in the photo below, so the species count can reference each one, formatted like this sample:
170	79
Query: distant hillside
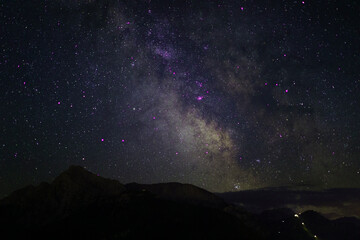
333	203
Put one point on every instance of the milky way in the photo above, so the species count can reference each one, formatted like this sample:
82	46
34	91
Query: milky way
226	95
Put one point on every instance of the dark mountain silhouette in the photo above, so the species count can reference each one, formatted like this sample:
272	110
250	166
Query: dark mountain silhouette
73	186
81	205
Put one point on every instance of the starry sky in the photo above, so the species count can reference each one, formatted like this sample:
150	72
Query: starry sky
226	95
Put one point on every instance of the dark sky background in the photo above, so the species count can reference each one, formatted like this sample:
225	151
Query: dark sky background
226	95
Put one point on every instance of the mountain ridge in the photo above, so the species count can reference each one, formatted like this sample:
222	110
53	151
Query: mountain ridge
79	204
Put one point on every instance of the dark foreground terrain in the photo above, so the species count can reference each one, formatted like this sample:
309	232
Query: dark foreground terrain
81	205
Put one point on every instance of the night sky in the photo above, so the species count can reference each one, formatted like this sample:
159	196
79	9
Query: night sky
225	95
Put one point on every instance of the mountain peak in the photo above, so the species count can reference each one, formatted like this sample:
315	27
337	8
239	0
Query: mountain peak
77	182
74	173
77	169
74	187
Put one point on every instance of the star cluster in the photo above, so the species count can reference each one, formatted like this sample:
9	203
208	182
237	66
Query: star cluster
226	95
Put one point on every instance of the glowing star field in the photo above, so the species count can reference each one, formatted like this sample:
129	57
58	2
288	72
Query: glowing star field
225	95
